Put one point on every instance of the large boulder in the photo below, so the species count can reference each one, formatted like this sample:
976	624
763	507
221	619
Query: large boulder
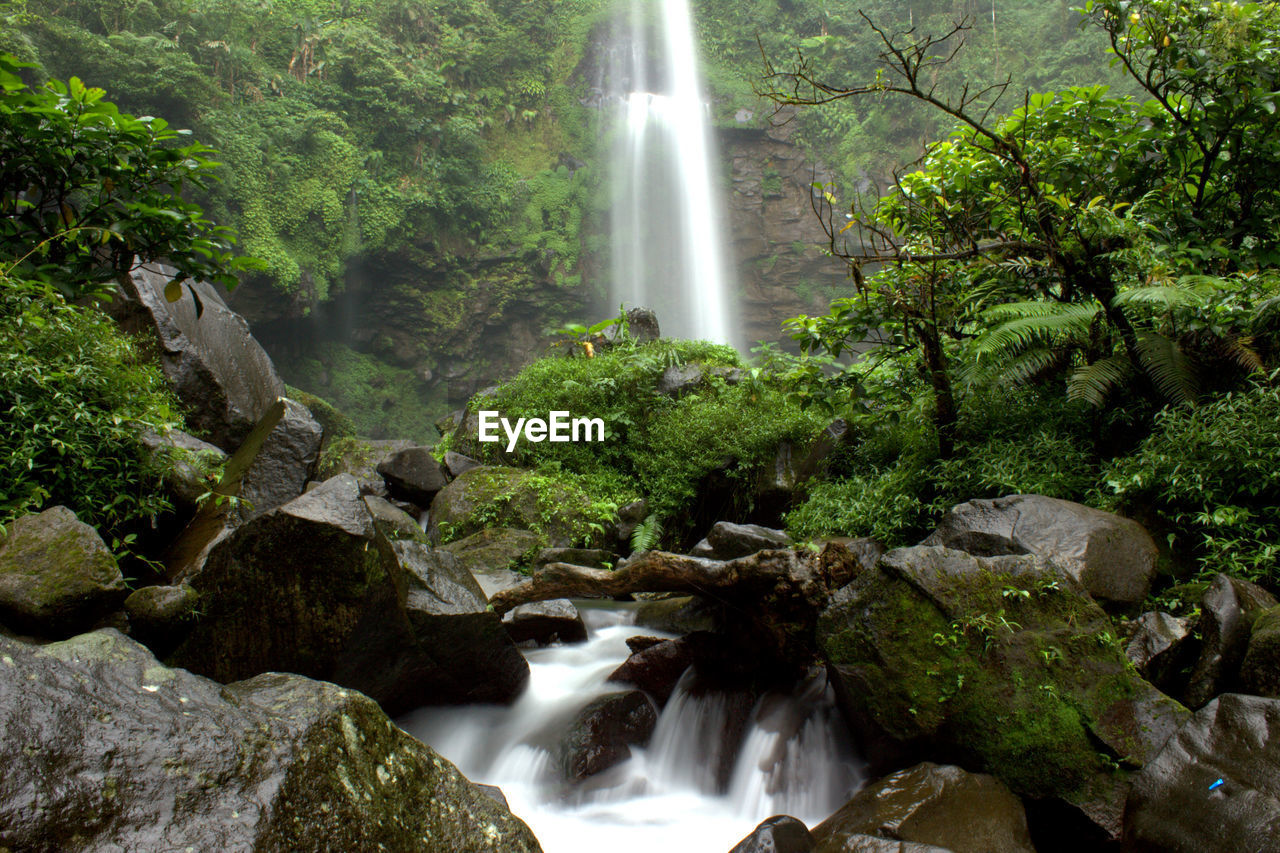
315	587
105	749
1113	557
779	834
1227	613
603	732
1214	786
728	541
360	457
57	578
285	462
159	616
414	475
545	622
1260	671
1001	664
933	804
221	374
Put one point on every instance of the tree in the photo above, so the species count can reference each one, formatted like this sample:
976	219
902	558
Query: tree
87	193
1061	213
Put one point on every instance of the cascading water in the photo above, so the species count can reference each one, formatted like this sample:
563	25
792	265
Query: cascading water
669	251
792	757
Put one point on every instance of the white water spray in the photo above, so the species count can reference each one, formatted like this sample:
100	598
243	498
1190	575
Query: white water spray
669	250
793	756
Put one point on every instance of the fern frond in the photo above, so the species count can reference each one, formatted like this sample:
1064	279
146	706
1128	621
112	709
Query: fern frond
1241	351
1168	366
647	534
1160	295
1023	324
1092	383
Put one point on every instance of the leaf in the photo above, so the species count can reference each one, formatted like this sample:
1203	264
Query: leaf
173	290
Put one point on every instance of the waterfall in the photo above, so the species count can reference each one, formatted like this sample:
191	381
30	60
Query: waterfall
668	230
793	755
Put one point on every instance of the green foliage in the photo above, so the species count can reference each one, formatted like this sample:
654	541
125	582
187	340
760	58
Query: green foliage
88	192
665	446
1212	475
74	393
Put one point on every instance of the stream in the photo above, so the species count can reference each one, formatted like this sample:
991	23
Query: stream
793	756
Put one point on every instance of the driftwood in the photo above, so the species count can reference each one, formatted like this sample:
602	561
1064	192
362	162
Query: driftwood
784	573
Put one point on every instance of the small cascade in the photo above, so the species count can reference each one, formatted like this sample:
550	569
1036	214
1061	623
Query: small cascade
669	247
716	765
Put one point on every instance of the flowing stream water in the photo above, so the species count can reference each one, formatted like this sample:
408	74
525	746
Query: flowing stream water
792	756
668	234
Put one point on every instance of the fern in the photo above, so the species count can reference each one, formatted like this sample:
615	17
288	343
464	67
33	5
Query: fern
647	534
1024	324
1168	366
1093	383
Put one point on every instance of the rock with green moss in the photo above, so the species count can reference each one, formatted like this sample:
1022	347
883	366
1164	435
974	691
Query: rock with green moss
558	511
413	475
190	467
1003	663
1113	557
1260	671
360	457
494	554
941	805
275	763
315	587
57	578
1227	613
160	615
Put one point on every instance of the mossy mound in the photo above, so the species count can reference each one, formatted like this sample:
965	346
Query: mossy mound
1001	664
560	508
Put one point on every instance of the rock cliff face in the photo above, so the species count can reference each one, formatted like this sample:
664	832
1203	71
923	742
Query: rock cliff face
776	238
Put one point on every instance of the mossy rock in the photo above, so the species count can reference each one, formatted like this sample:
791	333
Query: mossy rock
1003	664
57	577
495	555
557	510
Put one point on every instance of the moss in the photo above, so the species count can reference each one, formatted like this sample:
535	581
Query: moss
336	425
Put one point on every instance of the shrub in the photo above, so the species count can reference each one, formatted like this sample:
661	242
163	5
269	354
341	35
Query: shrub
74	394
1212	475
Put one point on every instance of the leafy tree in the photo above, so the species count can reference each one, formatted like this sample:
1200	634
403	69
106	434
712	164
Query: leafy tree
87	192
1060	214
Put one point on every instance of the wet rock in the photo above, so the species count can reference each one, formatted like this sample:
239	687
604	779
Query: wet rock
456	464
492	554
681	379
780	834
546	622
1003	662
275	763
843	558
190	465
656	669
159	616
57	577
1214	786
392	521
681	615
728	541
875	844
933	804
1227	614
1158	646
1113	557
314	587
603	733
284	464
793	464
594	558
414	475
223	377
1260	672
642	324
360	457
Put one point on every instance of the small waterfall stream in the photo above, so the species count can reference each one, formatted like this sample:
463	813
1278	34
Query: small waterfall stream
793	756
668	232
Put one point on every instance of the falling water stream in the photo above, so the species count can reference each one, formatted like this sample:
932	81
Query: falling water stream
793	756
669	251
